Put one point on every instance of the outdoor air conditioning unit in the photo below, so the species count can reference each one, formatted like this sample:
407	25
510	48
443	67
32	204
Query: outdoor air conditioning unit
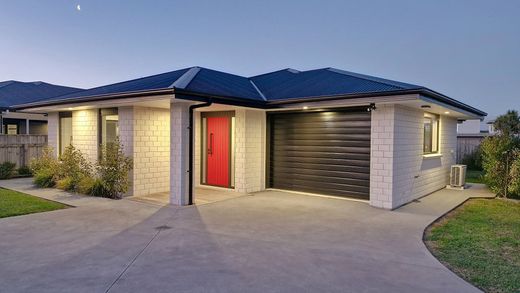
457	177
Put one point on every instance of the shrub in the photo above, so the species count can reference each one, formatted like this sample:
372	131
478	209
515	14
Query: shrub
7	170
113	168
44	178
98	188
72	169
499	158
86	185
65	183
46	161
24	171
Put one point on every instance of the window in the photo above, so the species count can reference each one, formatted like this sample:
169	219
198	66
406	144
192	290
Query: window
65	131
109	120
431	133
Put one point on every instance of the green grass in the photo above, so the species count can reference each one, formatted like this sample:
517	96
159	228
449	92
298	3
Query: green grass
13	203
474	176
480	241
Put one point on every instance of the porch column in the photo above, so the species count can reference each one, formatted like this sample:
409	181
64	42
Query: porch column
179	144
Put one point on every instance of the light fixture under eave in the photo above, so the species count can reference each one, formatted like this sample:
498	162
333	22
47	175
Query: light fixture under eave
70	109
305	107
447	112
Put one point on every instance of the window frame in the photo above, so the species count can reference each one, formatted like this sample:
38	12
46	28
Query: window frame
60	140
435	133
113	111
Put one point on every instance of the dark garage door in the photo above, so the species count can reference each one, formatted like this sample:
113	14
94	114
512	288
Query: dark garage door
320	152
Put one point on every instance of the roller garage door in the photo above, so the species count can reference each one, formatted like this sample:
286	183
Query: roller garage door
320	152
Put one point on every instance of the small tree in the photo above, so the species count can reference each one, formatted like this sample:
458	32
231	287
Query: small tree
501	156
508	124
113	168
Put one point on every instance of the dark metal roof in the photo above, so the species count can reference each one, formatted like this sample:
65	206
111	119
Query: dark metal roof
14	92
149	83
282	86
213	82
288	84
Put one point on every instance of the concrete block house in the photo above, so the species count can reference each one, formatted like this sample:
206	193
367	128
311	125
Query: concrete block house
326	132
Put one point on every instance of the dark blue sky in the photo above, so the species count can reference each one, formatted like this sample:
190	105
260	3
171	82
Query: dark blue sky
468	50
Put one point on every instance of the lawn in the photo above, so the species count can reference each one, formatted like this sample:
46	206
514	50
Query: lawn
13	203
480	241
474	176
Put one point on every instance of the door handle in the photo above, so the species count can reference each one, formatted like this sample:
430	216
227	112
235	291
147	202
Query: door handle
210	149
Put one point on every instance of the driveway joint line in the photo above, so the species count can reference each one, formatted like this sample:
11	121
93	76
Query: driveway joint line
133	260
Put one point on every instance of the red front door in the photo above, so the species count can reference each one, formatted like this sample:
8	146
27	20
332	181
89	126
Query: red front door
218	151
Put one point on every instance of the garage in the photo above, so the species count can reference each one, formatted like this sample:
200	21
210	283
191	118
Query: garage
324	152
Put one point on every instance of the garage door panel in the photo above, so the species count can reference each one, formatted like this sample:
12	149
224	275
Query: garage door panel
331	191
320	136
324	161
323	149
328	124
314	166
321	179
324	152
323	173
318	130
312	143
321	155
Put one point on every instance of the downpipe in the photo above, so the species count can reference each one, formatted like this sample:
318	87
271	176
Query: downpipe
190	149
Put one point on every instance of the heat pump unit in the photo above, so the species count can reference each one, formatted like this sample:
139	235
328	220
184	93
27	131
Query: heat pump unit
458	176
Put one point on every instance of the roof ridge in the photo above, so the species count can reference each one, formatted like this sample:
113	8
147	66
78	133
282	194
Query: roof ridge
371	78
257	89
291	70
185	79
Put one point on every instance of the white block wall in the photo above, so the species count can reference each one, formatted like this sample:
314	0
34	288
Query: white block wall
249	150
85	132
381	156
400	172
151	150
179	137
197	148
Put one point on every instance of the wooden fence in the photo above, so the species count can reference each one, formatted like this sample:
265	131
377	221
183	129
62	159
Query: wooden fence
466	145
20	149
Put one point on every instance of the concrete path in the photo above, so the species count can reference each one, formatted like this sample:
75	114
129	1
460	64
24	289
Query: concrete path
268	242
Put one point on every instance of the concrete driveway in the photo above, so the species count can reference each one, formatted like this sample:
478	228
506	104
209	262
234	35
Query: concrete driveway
267	242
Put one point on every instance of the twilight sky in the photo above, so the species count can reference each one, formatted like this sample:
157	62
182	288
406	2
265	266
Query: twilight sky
468	50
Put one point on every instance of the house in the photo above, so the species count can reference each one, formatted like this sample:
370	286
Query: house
16	92
323	131
470	134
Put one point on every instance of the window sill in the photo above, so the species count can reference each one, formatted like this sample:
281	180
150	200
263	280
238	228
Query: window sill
436	155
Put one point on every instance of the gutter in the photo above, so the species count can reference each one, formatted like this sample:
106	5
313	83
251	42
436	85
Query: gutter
230	100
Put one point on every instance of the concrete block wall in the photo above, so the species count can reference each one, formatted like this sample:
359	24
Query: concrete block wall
151	150
179	145
85	132
382	156
400	172
249	150
416	175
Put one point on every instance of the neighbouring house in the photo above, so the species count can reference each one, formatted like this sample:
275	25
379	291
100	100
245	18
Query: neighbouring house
16	92
324	131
